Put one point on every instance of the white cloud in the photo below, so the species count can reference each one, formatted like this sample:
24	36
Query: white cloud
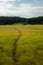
6	0
24	10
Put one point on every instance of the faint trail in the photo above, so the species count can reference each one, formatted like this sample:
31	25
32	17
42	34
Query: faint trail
15	58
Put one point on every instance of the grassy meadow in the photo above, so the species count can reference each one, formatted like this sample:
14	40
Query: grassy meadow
21	44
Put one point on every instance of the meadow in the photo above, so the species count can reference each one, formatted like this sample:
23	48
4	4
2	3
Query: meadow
21	44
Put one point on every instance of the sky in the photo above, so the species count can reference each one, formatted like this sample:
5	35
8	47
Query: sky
22	8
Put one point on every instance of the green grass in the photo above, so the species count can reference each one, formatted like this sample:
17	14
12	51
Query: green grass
28	48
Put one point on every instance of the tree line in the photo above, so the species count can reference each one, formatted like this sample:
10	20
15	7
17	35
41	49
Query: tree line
13	20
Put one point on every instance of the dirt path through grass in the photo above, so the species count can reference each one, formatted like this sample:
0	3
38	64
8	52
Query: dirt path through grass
15	58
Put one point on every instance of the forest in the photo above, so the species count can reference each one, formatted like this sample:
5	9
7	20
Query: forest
4	20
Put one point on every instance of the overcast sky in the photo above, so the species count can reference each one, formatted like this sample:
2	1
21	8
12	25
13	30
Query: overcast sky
22	8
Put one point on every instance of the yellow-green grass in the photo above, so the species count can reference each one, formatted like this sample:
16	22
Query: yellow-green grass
29	47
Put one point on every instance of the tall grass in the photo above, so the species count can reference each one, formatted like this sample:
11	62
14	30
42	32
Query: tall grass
21	45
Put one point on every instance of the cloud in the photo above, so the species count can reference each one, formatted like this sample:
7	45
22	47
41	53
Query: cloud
26	10
6	0
23	10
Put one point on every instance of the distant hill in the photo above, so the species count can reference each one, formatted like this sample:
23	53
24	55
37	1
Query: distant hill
14	20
